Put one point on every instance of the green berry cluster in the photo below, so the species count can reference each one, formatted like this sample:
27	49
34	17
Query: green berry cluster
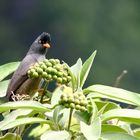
50	69
75	100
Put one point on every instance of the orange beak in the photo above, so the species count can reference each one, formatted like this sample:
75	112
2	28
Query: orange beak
46	45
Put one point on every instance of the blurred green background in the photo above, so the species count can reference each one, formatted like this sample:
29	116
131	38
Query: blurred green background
77	27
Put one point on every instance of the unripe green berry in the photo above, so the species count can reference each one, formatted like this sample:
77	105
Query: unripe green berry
55	77
43	67
44	75
54	71
72	105
48	64
39	70
65	74
71	99
83	102
59	73
76	101
65	99
49	69
83	108
75	96
45	61
49	77
40	63
29	72
78	107
52	61
59	80
64	79
35	75
57	61
32	71
58	66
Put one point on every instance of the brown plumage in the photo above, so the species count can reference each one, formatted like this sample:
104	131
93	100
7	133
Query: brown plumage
20	84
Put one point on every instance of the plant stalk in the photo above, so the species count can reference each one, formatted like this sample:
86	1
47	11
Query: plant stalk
70	117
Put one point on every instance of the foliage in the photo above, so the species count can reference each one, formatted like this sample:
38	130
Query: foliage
71	111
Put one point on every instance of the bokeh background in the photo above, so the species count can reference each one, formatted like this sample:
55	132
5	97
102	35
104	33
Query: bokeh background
77	27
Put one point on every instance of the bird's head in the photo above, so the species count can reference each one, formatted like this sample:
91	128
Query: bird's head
41	44
44	39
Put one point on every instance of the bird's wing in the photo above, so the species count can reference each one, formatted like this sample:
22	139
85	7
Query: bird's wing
20	74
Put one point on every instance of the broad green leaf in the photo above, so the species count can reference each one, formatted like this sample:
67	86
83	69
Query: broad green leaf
11	136
76	69
112	128
56	96
38	130
136	132
59	135
104	106
127	115
23	121
24	104
86	68
63	117
3	88
92	131
82	116
94	111
73	78
118	136
13	115
113	93
7	69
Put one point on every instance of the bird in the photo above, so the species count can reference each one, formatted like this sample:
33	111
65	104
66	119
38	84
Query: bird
20	85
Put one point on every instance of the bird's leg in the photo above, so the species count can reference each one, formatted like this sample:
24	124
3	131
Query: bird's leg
19	97
13	96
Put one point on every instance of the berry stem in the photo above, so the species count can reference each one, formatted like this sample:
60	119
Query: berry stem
70	117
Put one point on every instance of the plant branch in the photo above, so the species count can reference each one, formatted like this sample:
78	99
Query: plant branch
70	117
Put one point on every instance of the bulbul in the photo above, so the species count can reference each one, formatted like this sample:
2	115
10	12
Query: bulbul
20	84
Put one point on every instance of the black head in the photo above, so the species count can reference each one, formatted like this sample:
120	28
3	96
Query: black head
41	44
44	38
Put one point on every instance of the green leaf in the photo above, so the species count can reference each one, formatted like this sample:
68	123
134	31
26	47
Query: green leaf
127	115
63	117
59	135
92	131
76	69
56	96
94	111
10	136
73	78
118	136
13	115
36	131
106	105
24	104
136	132
112	128
82	116
7	69
23	121
113	93
3	88
86	68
